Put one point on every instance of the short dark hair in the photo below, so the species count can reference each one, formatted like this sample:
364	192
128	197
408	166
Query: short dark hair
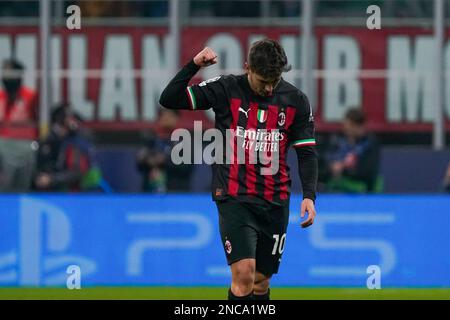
13	64
268	59
356	116
61	111
13	69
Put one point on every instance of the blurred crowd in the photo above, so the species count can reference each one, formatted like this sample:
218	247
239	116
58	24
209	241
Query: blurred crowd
65	159
229	8
349	162
62	161
153	159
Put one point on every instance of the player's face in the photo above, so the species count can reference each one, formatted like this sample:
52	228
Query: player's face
262	86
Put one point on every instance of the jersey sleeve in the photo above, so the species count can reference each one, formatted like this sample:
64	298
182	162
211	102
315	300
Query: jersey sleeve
208	94
301	132
301	137
179	95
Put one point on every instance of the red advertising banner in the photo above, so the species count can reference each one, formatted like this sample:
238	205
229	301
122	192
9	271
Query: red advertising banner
114	75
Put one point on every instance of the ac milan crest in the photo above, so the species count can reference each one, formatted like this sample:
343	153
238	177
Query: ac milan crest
228	247
281	118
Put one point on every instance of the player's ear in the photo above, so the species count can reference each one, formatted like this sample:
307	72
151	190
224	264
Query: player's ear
246	67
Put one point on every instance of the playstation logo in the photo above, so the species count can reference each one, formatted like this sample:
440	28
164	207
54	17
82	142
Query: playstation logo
44	238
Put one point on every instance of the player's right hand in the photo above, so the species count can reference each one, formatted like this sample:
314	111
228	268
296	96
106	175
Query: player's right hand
307	206
206	57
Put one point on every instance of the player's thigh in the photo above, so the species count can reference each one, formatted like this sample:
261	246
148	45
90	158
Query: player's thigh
239	238
271	242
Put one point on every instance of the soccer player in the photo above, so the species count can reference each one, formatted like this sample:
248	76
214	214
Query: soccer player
269	114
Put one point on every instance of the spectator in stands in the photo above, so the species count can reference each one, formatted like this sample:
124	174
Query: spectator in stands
154	162
353	158
18	130
447	179
201	8
231	8
101	8
65	159
156	9
350	8
285	8
19	8
408	8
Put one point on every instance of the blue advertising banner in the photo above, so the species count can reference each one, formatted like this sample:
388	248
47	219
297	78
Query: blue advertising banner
174	240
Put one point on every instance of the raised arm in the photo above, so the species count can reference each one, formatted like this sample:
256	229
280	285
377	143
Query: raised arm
177	94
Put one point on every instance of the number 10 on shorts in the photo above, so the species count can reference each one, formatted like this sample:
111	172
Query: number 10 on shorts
279	243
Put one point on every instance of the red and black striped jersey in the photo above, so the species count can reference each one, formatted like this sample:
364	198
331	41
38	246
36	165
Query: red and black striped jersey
257	133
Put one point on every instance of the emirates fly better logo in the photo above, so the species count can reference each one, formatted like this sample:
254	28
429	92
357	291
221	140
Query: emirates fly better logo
259	140
239	146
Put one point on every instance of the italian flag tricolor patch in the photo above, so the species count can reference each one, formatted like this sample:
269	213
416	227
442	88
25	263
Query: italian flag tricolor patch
191	97
262	115
304	143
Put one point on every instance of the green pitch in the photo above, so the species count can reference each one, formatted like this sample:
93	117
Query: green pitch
218	293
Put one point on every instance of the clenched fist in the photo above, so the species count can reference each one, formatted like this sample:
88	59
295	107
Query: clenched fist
205	58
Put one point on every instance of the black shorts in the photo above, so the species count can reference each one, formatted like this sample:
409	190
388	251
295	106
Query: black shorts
253	231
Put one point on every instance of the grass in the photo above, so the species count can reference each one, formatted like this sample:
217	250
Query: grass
219	293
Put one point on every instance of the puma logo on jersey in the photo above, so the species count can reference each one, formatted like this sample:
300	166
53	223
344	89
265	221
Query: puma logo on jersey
246	112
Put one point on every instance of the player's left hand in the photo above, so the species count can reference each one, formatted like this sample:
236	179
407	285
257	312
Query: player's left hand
307	206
